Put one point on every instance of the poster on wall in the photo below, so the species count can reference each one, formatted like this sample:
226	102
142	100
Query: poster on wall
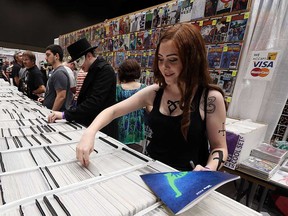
262	65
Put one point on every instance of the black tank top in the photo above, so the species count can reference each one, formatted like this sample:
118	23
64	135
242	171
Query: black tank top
168	144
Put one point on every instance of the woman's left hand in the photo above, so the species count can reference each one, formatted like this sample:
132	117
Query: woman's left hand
201	168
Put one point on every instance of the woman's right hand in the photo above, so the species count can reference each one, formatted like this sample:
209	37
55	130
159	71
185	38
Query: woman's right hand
85	147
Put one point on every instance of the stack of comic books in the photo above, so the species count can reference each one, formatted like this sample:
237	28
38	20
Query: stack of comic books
269	152
260	168
281	176
264	161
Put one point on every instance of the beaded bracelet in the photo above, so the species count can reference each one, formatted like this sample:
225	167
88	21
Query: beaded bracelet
63	115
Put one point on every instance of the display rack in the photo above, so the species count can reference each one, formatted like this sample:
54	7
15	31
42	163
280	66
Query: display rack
222	24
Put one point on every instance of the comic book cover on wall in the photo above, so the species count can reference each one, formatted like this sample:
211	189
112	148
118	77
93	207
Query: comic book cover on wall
148	20
133	23
207	31
214	55
157	16
109	58
100	46
224	6
119	58
227	81
237	28
140	40
215	76
132	41
164	16
147	39
154	38
221	29
230	56
186	11
198	9
144	60
138	56
240	5
106	29
115	43
100	32
110	44
124	25
210	8
124	42
114	27
151	57
174	13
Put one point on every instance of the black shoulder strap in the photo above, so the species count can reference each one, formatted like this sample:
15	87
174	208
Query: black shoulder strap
158	98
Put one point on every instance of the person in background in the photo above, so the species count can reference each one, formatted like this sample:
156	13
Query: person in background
188	110
33	84
81	75
97	92
58	96
73	67
17	65
131	127
44	71
4	72
71	77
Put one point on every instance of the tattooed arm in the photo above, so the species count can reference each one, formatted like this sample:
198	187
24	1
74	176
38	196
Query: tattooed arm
215	126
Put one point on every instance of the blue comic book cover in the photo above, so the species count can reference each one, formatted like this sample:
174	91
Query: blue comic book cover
214	56
230	56
181	190
237	28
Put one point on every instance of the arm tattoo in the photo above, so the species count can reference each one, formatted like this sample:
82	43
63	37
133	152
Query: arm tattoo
222	130
219	158
210	104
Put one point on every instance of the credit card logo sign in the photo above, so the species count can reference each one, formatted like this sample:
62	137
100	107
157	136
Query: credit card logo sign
261	72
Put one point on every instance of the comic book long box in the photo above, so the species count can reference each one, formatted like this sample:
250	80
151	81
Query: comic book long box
240	145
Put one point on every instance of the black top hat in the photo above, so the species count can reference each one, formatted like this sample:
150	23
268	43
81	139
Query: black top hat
79	48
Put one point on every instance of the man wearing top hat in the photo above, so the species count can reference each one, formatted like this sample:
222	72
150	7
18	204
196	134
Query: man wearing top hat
98	90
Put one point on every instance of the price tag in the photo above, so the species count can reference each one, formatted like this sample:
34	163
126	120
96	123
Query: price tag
228	18
246	15
214	22
228	99
201	23
225	48
234	73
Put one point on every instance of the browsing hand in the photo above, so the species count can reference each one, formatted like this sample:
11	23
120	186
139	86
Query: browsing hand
201	168
84	148
40	99
54	115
